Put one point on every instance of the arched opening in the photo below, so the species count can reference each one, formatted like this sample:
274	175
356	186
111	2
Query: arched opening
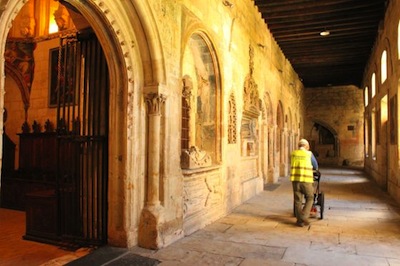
384	67
324	143
116	121
373	85
200	105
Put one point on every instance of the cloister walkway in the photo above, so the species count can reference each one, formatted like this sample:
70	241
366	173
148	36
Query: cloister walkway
361	226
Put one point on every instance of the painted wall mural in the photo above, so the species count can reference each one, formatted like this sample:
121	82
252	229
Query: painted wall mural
20	65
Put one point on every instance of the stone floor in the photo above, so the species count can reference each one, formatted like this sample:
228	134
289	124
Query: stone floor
15	251
361	226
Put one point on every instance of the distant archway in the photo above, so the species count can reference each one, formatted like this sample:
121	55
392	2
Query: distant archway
324	142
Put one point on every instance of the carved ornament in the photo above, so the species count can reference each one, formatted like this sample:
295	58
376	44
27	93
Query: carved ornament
195	158
154	102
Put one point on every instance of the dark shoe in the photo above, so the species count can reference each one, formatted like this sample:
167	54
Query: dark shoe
300	224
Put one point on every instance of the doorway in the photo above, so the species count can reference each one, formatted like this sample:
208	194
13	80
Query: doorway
59	175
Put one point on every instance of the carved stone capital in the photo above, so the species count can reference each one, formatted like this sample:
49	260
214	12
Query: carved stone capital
154	102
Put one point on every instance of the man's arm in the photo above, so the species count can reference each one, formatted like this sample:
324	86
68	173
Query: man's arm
314	162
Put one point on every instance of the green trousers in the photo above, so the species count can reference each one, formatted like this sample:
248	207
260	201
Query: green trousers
303	190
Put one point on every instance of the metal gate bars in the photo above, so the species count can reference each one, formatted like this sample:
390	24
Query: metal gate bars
82	134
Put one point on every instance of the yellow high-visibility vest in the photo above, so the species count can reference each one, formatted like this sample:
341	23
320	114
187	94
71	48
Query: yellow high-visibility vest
301	167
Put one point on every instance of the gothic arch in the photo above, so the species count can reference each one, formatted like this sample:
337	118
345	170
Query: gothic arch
206	87
315	142
135	60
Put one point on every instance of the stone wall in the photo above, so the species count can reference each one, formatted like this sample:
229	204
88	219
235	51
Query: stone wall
145	44
39	109
340	110
382	109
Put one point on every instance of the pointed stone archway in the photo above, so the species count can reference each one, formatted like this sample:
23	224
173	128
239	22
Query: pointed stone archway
135	68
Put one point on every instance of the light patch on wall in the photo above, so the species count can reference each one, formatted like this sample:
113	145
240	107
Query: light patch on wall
384	109
53	28
373	85
384	66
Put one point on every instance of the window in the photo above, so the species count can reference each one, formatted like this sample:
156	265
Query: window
383	119
384	110
384	66
373	85
373	134
393	120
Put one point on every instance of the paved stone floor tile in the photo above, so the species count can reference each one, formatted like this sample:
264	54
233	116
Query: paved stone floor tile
329	258
393	262
267	262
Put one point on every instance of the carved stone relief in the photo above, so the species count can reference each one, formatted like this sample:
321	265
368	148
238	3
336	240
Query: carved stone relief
202	192
195	158
61	16
232	135
27	26
187	90
154	102
251	112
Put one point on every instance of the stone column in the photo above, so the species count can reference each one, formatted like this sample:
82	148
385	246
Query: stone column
152	214
154	102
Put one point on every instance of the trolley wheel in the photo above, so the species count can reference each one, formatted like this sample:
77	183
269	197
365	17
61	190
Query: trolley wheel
321	203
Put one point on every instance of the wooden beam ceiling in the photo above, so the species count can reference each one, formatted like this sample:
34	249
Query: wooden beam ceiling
336	59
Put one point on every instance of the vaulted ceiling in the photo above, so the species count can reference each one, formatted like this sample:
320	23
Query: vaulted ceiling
333	60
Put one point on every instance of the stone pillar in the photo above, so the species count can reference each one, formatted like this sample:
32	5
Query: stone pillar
283	151
264	150
152	214
271	154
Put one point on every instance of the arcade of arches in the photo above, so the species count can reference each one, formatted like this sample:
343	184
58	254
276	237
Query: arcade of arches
140	122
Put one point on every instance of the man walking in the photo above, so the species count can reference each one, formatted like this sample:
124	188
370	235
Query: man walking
303	163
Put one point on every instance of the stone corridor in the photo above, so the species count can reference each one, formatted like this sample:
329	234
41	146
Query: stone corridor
361	226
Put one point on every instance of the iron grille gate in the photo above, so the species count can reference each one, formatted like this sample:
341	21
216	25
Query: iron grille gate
82	127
